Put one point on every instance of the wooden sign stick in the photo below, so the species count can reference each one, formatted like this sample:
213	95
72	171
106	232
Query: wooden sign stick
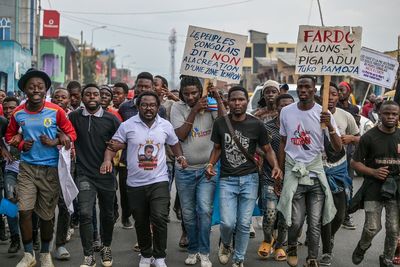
325	96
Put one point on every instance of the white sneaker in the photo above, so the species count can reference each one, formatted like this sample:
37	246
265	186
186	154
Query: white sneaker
205	261
28	260
224	254
239	264
145	262
160	262
45	260
191	259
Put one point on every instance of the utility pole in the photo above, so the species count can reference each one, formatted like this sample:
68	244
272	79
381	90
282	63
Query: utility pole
38	34
172	42
81	57
320	13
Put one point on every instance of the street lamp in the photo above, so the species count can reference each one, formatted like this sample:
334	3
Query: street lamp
122	60
96	28
109	63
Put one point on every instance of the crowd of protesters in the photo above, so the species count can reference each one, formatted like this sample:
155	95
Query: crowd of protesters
279	159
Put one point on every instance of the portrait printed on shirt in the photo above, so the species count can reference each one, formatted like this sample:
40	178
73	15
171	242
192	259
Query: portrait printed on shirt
233	154
301	138
148	155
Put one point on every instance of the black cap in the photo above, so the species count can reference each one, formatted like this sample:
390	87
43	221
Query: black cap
284	86
32	73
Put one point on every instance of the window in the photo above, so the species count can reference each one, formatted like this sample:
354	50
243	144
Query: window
290	50
5	29
246	70
281	49
247	52
270	49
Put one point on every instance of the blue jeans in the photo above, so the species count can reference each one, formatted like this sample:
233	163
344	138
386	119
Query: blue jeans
196	195
10	182
238	196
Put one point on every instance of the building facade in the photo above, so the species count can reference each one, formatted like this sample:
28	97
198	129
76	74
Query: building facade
52	58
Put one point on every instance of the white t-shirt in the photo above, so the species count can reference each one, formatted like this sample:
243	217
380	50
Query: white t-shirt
146	161
345	122
302	128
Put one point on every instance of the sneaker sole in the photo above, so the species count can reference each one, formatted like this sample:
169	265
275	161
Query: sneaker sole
107	265
127	227
349	227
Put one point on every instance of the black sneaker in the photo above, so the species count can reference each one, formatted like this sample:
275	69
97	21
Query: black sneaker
89	261
106	257
126	224
326	259
349	224
358	254
384	262
15	244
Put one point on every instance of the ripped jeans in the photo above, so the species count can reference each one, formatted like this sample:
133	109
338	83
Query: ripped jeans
271	217
373	224
86	199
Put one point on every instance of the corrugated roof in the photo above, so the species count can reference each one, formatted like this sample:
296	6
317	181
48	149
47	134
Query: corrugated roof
287	58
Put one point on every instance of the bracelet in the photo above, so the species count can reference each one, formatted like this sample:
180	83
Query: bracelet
182	157
210	164
188	122
333	132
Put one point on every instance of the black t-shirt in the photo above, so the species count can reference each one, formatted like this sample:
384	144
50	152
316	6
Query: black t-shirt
91	144
251	132
378	149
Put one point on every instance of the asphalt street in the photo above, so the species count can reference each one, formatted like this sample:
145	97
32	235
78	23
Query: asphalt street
123	241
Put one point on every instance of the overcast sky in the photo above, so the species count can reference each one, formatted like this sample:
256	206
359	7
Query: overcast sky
143	39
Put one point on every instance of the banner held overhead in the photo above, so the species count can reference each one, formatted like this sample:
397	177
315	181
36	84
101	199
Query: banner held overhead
212	54
377	68
328	50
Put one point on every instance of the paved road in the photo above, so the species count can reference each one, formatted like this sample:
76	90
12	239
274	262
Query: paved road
123	241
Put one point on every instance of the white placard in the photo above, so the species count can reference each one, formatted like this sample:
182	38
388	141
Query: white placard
328	50
213	54
377	68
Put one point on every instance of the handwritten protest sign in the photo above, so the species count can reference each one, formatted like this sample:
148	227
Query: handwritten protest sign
213	54
328	50
377	68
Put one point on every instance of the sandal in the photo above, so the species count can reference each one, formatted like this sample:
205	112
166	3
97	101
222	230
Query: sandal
280	254
265	249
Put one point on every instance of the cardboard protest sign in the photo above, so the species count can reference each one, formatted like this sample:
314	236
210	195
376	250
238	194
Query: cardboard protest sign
328	50
377	68
213	54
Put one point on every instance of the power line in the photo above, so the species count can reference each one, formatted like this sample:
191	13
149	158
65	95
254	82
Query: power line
117	31
121	26
155	12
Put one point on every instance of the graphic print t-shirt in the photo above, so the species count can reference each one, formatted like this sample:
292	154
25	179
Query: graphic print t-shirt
378	149
146	160
251	132
305	139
